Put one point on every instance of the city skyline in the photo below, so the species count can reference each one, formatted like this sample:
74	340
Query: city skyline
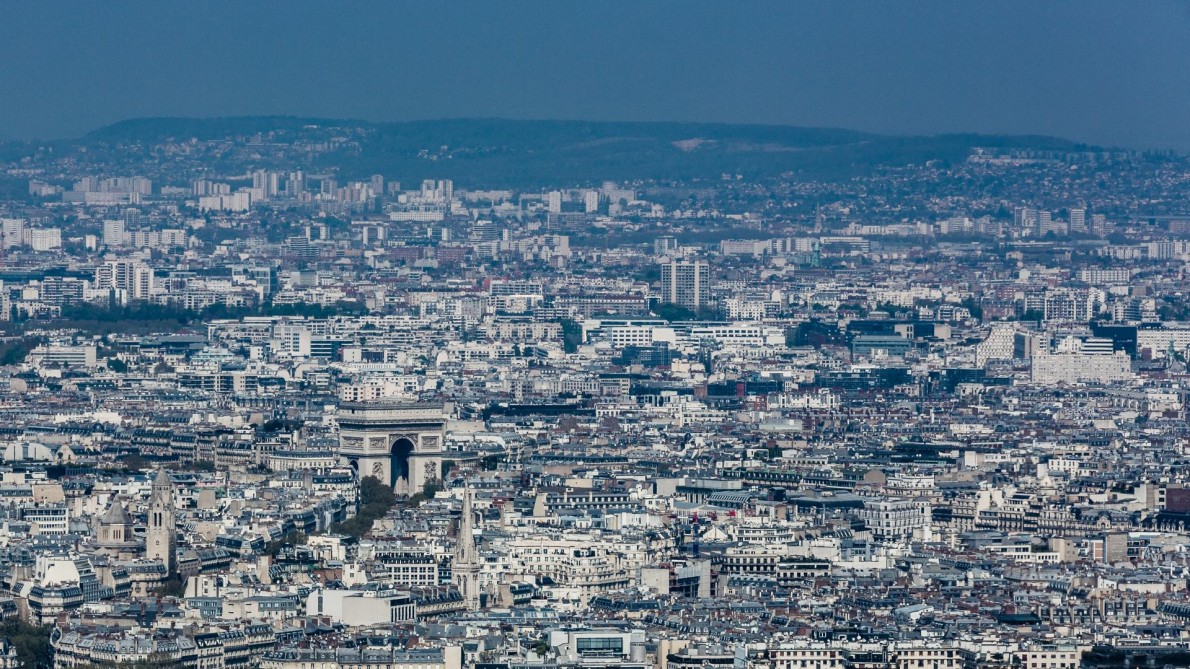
885	364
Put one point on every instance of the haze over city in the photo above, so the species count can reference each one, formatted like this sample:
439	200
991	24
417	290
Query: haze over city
1107	73
559	335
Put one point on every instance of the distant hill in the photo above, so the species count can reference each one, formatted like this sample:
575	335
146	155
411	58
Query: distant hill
181	128
498	152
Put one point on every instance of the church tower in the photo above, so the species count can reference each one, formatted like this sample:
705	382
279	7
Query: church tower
465	567
160	535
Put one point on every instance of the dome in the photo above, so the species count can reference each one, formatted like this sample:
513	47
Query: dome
116	514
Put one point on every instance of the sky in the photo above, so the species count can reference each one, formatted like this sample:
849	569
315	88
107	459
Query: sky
1109	73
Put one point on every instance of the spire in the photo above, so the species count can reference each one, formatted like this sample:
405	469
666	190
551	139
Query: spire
163	480
163	489
466	567
465	546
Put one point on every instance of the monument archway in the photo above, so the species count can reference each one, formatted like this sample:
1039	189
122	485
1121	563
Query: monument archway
398	443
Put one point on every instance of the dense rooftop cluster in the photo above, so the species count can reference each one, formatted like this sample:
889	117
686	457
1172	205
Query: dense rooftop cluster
259	411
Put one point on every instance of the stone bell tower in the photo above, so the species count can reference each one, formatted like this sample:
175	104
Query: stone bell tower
161	532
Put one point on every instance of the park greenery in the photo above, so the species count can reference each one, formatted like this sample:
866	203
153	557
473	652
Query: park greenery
142	318
375	499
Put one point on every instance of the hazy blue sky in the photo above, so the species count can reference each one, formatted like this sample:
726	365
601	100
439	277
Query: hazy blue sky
1116	73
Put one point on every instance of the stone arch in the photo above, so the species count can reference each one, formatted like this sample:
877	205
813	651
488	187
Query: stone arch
401	449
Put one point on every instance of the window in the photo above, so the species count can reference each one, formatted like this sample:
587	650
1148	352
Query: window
599	645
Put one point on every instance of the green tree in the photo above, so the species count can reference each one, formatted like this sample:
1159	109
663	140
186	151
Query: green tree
134	462
371	491
376	499
674	312
429	489
31	642
174	586
14	352
273	548
972	304
572	335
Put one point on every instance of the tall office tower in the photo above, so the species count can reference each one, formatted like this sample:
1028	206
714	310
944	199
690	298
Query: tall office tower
484	231
113	233
1045	221
1025	219
139	185
1078	220
43	239
142	283
554	202
1099	225
266	182
663	245
128	275
377	182
296	184
591	201
13	231
442	190
685	283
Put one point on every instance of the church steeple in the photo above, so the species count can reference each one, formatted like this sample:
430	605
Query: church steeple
160	534
465	567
